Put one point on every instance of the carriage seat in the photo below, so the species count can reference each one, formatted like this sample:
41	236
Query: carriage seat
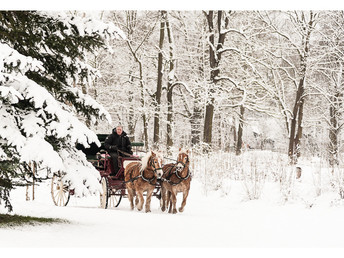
98	155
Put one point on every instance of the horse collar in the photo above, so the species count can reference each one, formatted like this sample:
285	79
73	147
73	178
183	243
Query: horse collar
176	173
149	180
183	178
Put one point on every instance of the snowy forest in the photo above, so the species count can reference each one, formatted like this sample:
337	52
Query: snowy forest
256	96
225	80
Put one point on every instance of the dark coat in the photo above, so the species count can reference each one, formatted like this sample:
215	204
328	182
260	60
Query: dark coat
116	142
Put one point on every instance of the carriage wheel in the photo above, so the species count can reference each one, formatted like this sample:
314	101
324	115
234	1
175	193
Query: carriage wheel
105	195
59	191
115	198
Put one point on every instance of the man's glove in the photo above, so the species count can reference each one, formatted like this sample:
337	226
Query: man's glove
113	147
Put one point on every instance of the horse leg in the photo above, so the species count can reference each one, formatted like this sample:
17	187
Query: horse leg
185	196
135	196
136	201
131	197
162	201
163	198
148	200
174	201
140	200
169	202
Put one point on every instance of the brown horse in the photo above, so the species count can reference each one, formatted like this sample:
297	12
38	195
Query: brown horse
176	179
142	177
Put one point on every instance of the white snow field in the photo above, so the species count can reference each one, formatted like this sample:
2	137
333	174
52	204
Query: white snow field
210	220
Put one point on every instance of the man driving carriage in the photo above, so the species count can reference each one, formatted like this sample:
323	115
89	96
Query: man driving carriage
117	144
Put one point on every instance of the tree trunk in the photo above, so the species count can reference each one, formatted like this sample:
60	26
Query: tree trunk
197	113
208	123
170	86
209	109
297	119
296	124
156	137
131	19
336	114
169	119
195	121
214	59
142	97
131	112
240	131
233	130
145	130
335	127
333	135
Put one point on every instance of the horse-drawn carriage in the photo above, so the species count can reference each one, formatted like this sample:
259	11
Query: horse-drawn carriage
135	176
114	186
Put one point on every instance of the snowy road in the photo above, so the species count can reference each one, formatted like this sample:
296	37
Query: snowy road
208	221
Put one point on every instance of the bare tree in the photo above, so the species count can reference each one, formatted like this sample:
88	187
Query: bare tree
297	62
192	61
240	130
156	136
136	40
170	84
331	71
221	20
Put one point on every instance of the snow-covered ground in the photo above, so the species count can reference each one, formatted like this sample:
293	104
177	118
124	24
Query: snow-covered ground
210	220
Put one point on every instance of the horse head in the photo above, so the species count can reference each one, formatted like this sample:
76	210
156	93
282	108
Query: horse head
182	160
155	162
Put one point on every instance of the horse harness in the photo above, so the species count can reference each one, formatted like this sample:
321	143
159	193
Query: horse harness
170	174
148	180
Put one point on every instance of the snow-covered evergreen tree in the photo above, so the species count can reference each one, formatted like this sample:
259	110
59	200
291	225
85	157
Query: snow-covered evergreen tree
42	59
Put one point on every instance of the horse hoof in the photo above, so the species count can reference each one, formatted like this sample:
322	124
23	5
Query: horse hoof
181	210
148	211
174	211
